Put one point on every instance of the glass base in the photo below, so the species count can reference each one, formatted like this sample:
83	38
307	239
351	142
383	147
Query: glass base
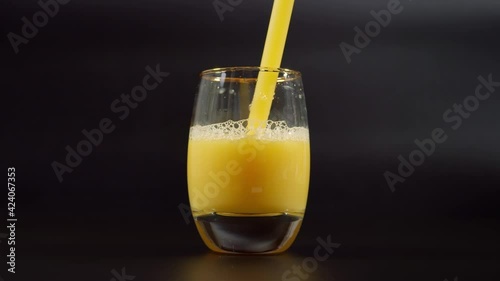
248	234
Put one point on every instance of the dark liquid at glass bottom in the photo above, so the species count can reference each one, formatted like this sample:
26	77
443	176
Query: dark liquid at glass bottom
248	234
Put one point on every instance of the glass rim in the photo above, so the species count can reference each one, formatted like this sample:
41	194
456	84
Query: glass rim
250	68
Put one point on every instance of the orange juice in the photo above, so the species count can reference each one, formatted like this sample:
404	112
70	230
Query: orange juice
231	173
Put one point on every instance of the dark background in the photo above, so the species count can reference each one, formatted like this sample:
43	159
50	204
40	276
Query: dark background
119	207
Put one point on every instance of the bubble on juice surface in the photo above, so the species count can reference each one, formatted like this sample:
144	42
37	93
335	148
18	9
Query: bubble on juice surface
234	130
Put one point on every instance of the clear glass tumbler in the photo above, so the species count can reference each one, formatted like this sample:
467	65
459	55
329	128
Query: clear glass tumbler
248	191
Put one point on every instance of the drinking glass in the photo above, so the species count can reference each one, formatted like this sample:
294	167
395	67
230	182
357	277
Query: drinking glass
248	190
